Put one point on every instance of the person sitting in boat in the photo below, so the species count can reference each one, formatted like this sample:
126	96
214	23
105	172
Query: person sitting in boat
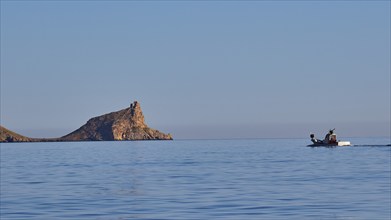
314	140
331	137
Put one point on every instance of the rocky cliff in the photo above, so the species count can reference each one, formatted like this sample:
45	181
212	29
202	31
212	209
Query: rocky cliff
10	136
126	124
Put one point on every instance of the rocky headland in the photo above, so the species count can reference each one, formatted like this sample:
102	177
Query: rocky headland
126	124
10	136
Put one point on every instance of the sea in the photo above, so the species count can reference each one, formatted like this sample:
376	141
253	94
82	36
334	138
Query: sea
196	179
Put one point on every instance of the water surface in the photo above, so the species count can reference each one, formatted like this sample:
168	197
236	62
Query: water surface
196	179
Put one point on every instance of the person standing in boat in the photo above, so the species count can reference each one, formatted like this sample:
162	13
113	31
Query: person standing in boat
330	138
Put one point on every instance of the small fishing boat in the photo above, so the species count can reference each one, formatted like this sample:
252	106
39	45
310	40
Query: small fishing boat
329	141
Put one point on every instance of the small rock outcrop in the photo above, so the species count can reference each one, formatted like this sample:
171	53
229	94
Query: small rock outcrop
10	136
126	124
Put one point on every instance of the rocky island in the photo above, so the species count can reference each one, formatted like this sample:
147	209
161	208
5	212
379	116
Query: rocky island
123	125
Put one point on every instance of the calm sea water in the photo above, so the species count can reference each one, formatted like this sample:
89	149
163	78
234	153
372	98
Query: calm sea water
196	179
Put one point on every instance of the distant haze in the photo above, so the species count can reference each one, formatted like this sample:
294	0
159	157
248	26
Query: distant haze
220	69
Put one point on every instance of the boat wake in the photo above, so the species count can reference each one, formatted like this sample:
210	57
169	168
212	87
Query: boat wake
372	145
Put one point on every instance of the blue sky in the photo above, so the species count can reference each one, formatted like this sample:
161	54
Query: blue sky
203	69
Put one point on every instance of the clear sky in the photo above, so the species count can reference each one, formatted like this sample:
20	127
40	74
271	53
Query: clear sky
220	69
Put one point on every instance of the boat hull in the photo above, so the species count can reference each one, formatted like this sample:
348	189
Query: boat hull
338	144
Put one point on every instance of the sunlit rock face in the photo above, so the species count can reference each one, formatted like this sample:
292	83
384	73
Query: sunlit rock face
10	136
126	124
